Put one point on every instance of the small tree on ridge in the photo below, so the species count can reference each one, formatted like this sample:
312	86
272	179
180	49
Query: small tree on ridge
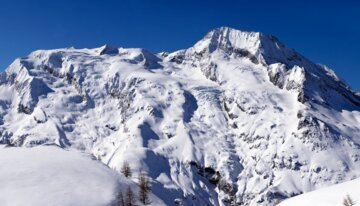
144	189
130	199
126	170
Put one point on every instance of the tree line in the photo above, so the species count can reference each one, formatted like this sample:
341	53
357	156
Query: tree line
129	199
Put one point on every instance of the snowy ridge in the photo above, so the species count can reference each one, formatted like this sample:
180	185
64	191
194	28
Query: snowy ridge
329	196
49	175
238	118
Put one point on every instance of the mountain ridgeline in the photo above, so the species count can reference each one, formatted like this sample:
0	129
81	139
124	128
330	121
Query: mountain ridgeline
237	119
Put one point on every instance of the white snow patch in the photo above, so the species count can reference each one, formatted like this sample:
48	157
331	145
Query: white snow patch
48	175
329	196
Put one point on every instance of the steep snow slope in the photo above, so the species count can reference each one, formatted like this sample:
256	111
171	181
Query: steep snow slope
330	196
238	117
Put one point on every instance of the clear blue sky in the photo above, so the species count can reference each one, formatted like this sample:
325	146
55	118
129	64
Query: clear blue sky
324	32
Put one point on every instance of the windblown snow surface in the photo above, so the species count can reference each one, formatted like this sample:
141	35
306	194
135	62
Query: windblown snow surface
239	118
52	176
329	196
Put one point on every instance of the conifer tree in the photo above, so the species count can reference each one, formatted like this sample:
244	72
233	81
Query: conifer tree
126	170
130	199
120	199
348	201
144	189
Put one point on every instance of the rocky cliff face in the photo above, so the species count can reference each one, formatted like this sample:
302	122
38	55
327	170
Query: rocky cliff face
238	118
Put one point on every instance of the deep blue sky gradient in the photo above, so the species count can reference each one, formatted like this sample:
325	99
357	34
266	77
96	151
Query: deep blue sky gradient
325	32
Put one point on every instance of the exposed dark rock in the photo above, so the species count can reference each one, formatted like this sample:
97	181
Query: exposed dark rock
109	50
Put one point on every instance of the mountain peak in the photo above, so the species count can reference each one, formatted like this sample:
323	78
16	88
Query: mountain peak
108	49
265	48
226	37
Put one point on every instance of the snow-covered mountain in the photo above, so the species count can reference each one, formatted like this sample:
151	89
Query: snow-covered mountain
239	118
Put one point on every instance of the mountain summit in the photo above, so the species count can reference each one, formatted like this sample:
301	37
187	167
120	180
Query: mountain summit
263	48
239	118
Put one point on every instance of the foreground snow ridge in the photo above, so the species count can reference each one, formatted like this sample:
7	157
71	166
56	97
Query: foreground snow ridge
52	176
237	119
330	196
